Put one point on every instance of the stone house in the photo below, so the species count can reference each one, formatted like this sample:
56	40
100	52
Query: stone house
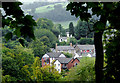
85	50
69	49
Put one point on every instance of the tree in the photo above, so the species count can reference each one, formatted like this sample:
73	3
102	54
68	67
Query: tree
108	12
112	69
82	30
44	32
84	71
19	25
13	60
38	47
68	55
71	29
44	23
83	41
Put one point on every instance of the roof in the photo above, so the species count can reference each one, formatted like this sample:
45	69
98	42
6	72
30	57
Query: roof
64	38
64	60
78	58
54	54
64	48
86	46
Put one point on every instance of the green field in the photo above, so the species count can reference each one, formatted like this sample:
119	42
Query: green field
65	24
44	9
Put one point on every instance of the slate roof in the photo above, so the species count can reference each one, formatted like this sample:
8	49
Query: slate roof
54	54
79	58
64	60
64	48
64	38
85	47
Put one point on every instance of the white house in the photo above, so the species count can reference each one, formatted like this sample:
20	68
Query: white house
49	57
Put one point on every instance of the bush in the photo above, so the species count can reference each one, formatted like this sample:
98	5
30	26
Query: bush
84	71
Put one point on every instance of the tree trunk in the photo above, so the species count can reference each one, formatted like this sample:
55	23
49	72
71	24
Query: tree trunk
99	57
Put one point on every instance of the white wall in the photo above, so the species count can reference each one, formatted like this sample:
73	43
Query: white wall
57	67
76	55
45	56
51	60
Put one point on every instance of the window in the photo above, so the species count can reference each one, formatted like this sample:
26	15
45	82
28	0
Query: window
58	69
75	64
87	50
83	50
58	64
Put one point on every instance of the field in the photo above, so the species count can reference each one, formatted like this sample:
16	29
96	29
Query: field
48	8
65	24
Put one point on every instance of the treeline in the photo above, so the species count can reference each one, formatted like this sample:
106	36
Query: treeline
36	4
54	15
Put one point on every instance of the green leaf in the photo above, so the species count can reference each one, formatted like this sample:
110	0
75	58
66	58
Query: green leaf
99	26
8	36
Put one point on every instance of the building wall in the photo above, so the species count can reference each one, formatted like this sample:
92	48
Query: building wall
75	61
43	61
70	64
57	66
51	60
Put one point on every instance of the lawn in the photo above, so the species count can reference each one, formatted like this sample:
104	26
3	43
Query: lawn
48	8
65	24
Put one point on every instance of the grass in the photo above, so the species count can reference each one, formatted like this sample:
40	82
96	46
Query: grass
44	9
65	24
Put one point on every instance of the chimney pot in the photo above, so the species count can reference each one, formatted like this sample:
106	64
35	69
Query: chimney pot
71	44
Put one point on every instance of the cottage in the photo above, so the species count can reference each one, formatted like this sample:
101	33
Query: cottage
61	39
69	49
49	57
85	50
65	63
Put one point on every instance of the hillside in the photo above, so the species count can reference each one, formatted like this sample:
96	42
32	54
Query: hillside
55	11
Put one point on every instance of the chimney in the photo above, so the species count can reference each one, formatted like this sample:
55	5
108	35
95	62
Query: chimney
71	44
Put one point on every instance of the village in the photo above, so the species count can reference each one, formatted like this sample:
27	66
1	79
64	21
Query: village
60	41
60	61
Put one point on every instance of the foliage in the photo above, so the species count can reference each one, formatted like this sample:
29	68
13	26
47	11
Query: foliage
71	29
43	23
0	75
68	55
46	73
13	61
73	41
19	25
56	32
61	29
39	48
45	40
112	69
52	13
82	30
61	43
84	71
108	12
83	41
44	32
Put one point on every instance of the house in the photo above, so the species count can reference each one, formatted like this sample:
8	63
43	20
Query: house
52	50
69	49
48	58
61	39
65	63
85	50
